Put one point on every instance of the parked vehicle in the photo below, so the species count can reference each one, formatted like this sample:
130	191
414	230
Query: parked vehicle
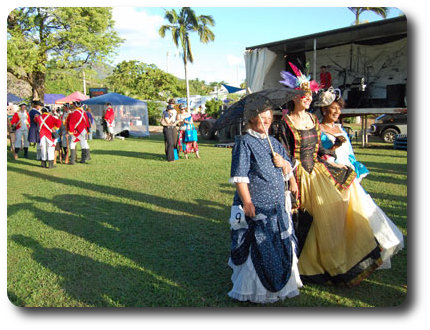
387	126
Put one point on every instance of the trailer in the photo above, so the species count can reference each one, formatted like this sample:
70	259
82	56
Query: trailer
367	62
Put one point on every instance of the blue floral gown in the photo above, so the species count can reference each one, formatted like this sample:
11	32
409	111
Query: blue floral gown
263	248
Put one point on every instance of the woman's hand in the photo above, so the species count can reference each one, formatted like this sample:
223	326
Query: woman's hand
249	209
293	187
245	197
339	165
279	161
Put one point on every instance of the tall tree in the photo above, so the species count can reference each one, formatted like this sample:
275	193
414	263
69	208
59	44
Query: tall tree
144	81
381	11
66	37
181	25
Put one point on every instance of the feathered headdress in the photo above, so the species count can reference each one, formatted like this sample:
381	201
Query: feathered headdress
299	81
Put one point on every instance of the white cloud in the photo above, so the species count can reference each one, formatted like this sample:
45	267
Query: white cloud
235	60
136	26
144	44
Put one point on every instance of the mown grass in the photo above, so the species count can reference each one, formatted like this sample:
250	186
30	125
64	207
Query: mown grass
130	229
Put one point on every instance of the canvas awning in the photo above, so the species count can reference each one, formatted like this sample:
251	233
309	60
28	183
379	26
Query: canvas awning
76	96
51	98
114	99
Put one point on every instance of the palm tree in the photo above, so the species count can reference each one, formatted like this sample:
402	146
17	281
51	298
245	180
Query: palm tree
181	25
381	11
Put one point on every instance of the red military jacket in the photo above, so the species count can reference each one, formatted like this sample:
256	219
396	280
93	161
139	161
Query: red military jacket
109	115
16	120
47	124
77	121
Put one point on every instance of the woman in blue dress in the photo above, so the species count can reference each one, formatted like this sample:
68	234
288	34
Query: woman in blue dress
189	142
263	248
333	136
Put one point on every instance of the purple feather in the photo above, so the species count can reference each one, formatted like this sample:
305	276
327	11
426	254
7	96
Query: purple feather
289	80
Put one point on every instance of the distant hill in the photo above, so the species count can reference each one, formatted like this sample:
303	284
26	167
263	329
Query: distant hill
61	83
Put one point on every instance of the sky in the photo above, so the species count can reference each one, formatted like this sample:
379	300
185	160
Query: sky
235	29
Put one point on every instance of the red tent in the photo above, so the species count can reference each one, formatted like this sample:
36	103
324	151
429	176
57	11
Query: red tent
76	96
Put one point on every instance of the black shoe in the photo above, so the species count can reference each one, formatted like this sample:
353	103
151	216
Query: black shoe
72	157
88	154
51	164
25	152
43	164
84	156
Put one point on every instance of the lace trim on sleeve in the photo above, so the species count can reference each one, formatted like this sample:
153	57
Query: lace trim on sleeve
238	179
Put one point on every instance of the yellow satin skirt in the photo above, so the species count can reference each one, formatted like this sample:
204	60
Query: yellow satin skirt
340	235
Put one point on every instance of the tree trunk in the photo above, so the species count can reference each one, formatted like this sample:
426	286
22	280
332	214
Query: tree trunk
188	86
37	82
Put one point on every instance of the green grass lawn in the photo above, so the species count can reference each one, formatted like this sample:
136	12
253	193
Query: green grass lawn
131	229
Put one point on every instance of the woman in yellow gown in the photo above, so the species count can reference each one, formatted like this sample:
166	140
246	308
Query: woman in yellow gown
338	246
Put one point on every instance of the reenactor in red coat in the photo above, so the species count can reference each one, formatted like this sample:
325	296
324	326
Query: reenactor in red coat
109	117
77	126
48	124
21	122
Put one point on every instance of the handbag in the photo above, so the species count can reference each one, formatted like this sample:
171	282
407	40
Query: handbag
190	135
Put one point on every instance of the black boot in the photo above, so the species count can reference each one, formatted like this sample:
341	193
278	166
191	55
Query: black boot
43	164
88	154
15	153
72	156
25	152
51	164
83	156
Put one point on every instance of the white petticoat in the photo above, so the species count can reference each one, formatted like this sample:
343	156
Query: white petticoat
248	287
389	237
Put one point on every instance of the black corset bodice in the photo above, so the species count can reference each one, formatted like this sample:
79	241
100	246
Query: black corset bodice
307	151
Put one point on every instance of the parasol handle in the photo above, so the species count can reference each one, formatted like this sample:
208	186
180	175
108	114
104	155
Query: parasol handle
267	136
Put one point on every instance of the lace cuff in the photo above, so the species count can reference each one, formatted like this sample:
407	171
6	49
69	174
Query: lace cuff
291	173
238	179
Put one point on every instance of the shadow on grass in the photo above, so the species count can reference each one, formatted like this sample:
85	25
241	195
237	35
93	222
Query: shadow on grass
133	154
361	152
96	283
388	166
178	247
177	259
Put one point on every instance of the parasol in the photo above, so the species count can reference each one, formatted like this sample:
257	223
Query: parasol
253	104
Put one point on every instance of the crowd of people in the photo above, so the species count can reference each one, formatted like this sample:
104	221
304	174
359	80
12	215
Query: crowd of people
53	132
180	133
300	214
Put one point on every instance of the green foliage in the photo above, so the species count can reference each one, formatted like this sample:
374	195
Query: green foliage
68	36
199	87
144	81
155	110
213	107
181	25
380	11
184	23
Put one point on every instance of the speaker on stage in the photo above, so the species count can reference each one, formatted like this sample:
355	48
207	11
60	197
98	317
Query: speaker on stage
396	95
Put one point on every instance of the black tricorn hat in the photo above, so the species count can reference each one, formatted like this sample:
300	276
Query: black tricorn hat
37	102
